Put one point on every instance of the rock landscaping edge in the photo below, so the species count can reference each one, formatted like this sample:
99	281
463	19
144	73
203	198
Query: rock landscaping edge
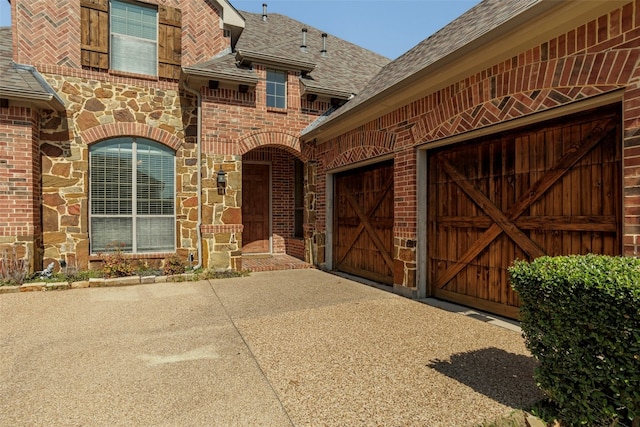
96	283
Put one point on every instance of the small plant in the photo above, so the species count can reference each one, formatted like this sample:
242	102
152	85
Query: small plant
114	262
227	274
173	264
13	269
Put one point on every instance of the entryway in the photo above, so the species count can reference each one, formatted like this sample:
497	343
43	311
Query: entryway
256	208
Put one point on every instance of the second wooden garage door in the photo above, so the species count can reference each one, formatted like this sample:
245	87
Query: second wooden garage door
363	222
549	189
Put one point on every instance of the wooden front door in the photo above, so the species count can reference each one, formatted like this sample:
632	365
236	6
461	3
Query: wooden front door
548	189
255	208
363	222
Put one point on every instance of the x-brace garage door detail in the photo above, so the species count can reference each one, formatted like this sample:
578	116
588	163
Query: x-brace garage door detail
363	222
548	189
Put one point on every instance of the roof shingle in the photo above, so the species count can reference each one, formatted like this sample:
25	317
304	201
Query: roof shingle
477	21
346	67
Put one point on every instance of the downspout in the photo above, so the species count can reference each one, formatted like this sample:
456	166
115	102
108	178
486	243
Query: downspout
198	96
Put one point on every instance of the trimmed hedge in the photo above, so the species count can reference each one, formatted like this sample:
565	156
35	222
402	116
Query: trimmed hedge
581	320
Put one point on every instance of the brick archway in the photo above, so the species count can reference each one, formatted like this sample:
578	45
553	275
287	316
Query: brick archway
99	133
285	141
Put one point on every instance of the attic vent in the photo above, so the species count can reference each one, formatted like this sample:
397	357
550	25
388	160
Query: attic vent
303	46
227	33
264	12
324	44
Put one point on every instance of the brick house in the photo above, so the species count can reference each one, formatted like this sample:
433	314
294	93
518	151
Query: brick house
510	133
140	123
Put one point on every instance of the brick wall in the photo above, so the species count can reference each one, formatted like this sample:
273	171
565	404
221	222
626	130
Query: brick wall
48	33
20	180
595	58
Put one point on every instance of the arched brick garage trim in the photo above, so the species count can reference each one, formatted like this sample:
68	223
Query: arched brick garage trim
360	146
285	141
432	127
112	130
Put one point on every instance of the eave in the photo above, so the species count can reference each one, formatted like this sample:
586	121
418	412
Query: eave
220	76
320	91
249	57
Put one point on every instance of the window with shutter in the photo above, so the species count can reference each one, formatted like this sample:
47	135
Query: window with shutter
132	196
132	37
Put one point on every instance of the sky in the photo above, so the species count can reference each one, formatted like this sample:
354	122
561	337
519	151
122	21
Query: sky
388	27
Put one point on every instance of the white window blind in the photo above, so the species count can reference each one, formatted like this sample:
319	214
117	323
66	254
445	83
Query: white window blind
134	36
137	215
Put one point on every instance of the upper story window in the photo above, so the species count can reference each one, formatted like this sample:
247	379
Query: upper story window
130	36
134	38
276	89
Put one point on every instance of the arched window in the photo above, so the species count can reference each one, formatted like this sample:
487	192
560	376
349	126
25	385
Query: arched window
132	196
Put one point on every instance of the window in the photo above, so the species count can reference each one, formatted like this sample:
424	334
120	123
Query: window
124	35
276	89
298	199
132	196
134	35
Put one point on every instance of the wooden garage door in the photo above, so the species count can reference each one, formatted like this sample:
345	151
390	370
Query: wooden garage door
549	189
363	222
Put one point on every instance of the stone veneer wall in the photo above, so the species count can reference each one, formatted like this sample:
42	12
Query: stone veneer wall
597	57
97	110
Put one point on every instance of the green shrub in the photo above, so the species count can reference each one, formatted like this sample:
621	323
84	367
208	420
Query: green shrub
581	320
173	264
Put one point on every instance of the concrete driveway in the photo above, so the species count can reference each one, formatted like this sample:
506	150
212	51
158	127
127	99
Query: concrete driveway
293	348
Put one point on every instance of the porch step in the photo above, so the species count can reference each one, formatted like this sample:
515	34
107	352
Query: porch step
256	263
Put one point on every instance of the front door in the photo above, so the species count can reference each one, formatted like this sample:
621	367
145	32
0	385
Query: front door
255	208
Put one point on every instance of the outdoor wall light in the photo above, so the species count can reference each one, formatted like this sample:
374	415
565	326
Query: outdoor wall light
222	181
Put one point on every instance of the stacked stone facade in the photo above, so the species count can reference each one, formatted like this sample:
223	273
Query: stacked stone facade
96	110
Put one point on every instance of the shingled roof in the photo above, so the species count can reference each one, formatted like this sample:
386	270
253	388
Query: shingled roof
343	70
470	26
23	82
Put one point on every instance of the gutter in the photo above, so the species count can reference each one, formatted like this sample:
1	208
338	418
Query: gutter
50	96
199	163
245	56
217	75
